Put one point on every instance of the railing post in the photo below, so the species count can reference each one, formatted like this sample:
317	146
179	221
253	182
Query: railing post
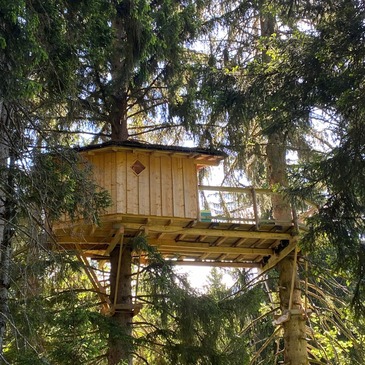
295	218
255	207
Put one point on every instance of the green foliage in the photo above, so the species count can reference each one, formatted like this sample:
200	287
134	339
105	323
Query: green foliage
182	326
72	62
336	335
62	183
335	179
81	330
130	59
57	184
54	319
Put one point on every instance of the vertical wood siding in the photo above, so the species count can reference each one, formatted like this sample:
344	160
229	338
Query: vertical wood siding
156	190
144	192
166	187
132	186
121	181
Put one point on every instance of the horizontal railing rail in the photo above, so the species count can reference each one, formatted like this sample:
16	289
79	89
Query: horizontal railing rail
253	193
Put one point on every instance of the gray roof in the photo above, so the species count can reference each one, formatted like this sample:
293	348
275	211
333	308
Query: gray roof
149	146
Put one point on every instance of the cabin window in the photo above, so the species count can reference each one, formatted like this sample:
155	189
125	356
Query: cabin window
138	167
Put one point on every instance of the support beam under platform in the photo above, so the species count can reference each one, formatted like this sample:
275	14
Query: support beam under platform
179	240
277	257
243	265
215	230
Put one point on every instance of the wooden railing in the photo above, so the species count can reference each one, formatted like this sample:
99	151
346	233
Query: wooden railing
253	193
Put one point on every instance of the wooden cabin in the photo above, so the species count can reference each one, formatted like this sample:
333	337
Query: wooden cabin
155	192
150	180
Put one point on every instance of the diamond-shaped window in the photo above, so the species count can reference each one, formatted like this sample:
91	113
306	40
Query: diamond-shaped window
138	167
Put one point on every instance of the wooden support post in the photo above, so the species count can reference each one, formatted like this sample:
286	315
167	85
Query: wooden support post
120	338
93	279
118	273
294	274
118	237
255	208
137	278
295	219
275	259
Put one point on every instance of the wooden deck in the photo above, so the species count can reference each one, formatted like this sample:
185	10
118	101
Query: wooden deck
184	241
205	241
155	193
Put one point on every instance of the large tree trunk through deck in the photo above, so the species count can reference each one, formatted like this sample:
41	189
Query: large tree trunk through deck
295	344
120	339
118	121
121	68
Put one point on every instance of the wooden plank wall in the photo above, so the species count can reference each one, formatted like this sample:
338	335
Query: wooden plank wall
165	177
166	187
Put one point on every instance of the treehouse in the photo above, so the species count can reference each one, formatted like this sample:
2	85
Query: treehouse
155	193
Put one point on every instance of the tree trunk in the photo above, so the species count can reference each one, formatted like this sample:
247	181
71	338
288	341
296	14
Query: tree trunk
120	339
119	124
5	260
7	221
120	68
295	344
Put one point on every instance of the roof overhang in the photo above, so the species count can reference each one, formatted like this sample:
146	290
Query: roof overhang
200	155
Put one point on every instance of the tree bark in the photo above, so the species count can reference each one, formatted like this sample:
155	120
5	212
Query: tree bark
7	221
119	124
5	260
120	69
295	344
120	338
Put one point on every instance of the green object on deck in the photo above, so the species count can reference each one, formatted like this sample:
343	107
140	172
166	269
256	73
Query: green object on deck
205	216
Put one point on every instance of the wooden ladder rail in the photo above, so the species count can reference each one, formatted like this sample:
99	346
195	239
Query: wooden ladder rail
99	289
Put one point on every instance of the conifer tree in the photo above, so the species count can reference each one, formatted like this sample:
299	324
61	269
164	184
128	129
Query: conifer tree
34	78
134	76
279	73
275	95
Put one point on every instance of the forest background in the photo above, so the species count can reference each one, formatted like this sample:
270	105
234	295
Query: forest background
264	81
